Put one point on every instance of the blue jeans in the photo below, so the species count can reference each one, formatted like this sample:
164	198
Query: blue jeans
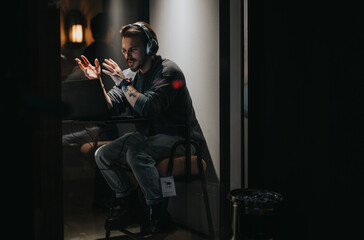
141	154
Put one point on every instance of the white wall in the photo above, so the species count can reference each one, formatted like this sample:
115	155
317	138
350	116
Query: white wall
188	34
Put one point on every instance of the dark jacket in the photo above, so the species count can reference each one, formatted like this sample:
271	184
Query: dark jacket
165	101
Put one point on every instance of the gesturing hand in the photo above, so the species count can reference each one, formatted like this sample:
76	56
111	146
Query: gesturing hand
113	70
91	72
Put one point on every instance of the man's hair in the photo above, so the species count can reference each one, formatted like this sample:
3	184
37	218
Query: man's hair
100	24
131	30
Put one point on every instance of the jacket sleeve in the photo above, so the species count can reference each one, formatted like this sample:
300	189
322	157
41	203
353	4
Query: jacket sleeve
165	88
118	100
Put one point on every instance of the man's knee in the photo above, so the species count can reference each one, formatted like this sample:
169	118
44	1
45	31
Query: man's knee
138	155
100	158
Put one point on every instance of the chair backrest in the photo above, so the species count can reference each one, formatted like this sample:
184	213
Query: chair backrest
179	166
187	159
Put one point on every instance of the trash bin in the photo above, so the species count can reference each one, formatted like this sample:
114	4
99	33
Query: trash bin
254	214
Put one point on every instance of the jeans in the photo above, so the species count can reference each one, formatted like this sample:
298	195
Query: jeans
141	154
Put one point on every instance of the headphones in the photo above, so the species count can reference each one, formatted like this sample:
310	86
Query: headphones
152	45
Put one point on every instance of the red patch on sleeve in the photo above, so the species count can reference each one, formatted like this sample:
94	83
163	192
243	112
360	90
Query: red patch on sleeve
177	84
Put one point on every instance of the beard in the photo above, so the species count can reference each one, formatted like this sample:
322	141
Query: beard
135	64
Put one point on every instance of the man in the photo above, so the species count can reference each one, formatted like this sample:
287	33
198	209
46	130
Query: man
158	93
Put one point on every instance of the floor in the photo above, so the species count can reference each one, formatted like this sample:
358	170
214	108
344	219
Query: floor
83	221
89	226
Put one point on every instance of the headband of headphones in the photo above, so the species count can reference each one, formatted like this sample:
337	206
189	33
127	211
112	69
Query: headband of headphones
152	45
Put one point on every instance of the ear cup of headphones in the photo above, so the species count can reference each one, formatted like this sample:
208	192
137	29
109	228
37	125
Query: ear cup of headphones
152	47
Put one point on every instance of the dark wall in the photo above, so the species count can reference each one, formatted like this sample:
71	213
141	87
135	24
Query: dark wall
306	109
30	104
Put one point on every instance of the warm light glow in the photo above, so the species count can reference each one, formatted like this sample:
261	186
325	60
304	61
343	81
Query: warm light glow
76	33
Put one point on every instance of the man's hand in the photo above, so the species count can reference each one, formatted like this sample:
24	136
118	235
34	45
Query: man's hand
114	71
91	72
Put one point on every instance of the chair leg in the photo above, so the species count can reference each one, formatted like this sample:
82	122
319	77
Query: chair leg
111	213
107	235
206	197
207	207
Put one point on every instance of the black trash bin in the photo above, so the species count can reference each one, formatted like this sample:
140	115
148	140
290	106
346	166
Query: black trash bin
254	214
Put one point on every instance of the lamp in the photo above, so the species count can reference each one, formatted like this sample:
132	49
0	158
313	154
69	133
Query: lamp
75	25
76	33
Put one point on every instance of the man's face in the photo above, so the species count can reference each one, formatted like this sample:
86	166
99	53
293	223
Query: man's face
134	52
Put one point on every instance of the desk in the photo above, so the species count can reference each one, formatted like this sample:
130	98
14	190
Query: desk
109	120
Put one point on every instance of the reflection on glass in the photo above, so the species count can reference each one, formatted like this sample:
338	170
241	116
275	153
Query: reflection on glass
76	33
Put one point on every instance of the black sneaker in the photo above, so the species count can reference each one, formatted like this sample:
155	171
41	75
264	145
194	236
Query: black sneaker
159	222
123	213
124	219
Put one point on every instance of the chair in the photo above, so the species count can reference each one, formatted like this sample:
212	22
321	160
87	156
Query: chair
184	168
188	168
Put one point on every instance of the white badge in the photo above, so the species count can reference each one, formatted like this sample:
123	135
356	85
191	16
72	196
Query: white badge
168	187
